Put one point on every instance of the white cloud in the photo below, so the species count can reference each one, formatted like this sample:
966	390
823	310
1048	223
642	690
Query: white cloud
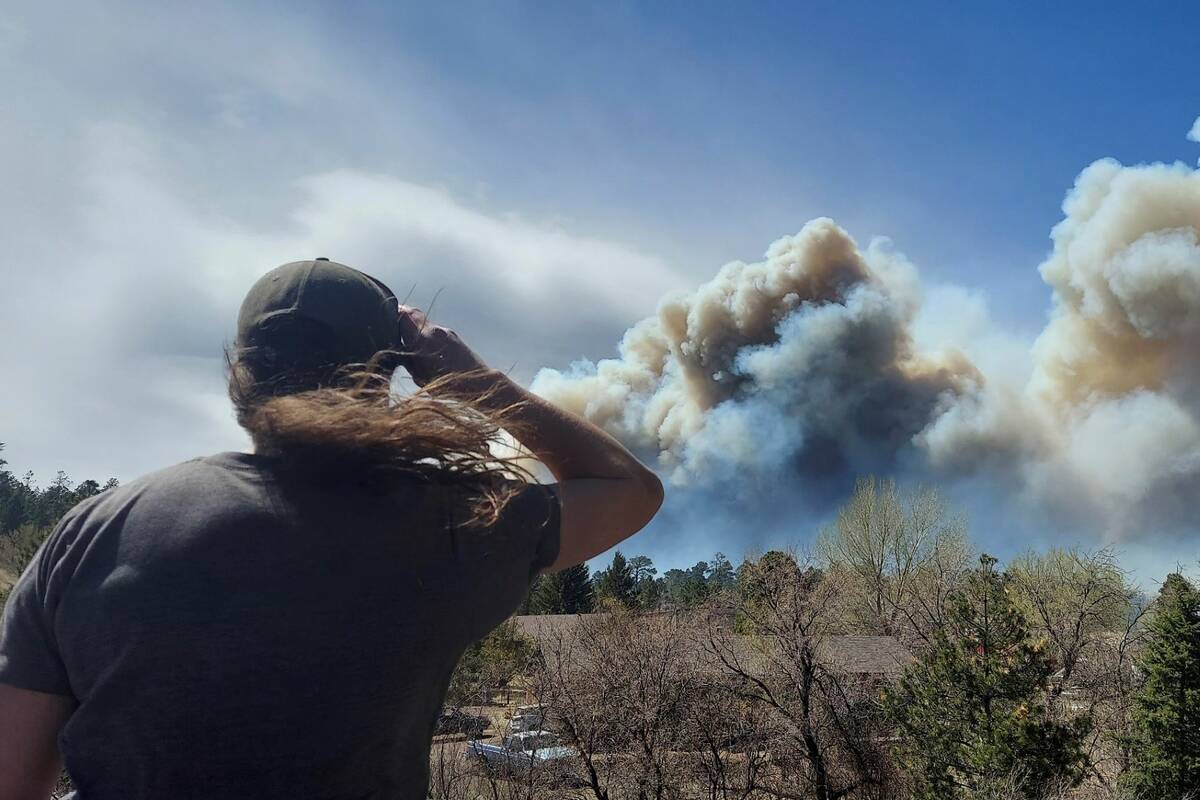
134	287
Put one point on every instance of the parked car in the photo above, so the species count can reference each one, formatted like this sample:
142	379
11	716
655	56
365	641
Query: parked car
455	720
526	718
518	754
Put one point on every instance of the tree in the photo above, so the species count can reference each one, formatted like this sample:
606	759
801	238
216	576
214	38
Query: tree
23	503
901	555
821	727
566	592
1084	606
647	588
489	664
642	568
758	579
16	499
619	687
1072	598
1167	708
686	588
29	514
720	575
973	710
616	583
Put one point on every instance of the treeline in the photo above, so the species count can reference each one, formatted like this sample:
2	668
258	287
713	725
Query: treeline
28	513
630	583
23	503
1049	677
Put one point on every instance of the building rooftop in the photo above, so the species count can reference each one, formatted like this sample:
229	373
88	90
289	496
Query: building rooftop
857	655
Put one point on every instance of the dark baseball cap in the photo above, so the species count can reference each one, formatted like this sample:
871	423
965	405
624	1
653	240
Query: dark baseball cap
318	313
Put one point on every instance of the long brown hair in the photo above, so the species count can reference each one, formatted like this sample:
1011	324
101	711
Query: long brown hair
349	421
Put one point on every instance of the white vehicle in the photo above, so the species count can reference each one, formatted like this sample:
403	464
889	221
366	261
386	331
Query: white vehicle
520	753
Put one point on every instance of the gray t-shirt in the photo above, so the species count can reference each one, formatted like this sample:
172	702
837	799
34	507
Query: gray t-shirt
233	630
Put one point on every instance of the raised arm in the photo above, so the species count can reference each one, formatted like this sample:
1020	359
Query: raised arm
607	495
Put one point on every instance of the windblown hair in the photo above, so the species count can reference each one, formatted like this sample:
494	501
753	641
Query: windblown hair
348	421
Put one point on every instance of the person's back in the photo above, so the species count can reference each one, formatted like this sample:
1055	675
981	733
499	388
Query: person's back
295	631
285	623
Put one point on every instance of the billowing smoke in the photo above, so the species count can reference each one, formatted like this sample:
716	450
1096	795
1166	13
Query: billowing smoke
804	365
803	362
1108	424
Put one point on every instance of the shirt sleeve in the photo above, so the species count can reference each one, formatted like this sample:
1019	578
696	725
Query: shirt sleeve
29	654
532	524
496	565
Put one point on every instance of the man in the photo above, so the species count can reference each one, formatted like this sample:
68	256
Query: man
284	623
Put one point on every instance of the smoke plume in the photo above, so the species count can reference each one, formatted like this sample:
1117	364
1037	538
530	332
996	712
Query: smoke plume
804	368
802	362
1107	424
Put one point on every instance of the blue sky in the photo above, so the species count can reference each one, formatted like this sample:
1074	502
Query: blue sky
707	129
554	167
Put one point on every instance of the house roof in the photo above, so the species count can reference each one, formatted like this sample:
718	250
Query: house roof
873	655
857	655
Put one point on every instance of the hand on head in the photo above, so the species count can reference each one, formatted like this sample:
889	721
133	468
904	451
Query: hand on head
430	351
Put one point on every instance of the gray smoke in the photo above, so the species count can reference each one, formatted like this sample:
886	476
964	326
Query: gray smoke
802	362
805	365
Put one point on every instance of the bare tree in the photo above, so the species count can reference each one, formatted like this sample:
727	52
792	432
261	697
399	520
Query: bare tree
450	776
898	557
454	775
619	687
1089	613
1075	599
727	758
827	739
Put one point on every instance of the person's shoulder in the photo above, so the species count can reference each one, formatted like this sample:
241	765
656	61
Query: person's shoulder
149	480
170	479
159	495
225	463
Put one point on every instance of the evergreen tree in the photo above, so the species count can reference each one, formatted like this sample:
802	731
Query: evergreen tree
720	575
526	606
757	581
565	592
972	711
1167	707
647	589
649	594
22	503
642	568
577	594
686	587
617	582
489	664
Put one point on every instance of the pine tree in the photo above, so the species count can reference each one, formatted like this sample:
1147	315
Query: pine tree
972	711
720	575
1167	707
577	594
616	583
646	586
565	592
